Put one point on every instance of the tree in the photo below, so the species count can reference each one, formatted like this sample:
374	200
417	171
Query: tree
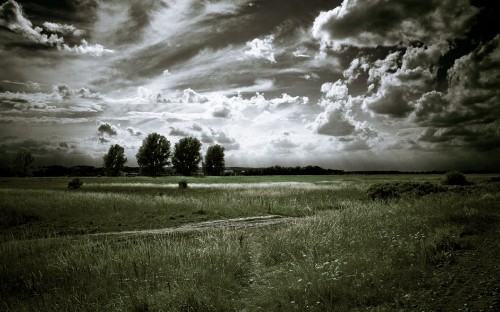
214	161
187	156
114	160
20	163
153	155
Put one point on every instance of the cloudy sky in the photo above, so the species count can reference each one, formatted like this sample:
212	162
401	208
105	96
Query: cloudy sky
353	84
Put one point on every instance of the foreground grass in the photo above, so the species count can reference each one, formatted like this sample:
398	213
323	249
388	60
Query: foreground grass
347	253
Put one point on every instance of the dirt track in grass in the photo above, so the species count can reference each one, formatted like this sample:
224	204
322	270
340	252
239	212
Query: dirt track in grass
235	223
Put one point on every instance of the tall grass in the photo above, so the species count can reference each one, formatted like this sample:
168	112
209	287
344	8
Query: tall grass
126	208
346	252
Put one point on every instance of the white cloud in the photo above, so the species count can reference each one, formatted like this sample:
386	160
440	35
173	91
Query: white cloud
335	91
12	17
262	48
86	48
63	29
399	80
301	53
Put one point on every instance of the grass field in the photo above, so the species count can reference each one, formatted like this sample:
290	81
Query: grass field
341	251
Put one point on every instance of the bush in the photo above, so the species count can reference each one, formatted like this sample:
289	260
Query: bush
454	178
396	190
494	179
74	184
183	185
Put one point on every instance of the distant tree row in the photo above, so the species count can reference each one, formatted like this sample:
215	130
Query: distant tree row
278	170
154	154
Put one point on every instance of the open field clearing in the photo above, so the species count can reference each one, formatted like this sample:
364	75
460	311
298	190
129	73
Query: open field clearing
288	244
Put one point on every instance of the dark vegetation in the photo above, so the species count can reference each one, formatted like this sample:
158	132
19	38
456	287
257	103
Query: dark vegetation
74	184
454	178
114	160
278	170
153	155
396	190
341	252
20	163
214	163
187	156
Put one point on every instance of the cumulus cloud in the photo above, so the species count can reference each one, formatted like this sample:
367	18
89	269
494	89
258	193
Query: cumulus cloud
221	111
191	96
63	103
134	132
65	92
467	113
333	121
301	53
222	138
392	23
174	131
399	80
283	142
86	48
261	48
472	94
355	69
107	129
13	18
337	118
63	29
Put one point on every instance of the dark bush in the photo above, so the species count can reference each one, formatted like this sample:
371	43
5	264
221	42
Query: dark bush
396	190
454	178
495	179
183	185
74	184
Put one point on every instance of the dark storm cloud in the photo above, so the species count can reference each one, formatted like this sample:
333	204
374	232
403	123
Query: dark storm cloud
81	12
13	18
44	151
372	23
62	105
472	96
178	132
482	138
107	129
134	132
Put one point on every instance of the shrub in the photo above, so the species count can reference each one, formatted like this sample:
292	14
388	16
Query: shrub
396	190
74	184
495	179
454	178
183	185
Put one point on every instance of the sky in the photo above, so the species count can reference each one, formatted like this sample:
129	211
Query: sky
354	85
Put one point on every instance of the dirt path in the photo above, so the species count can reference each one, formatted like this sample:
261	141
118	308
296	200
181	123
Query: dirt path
234	223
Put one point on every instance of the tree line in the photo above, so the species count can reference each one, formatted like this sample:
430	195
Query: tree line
154	155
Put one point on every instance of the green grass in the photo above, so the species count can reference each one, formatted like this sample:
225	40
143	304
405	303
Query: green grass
344	252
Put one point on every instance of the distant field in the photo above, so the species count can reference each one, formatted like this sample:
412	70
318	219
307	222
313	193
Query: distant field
340	251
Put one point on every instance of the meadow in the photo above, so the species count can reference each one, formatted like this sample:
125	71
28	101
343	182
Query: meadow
338	250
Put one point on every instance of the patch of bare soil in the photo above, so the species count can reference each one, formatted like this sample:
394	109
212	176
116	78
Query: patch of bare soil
470	283
234	223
